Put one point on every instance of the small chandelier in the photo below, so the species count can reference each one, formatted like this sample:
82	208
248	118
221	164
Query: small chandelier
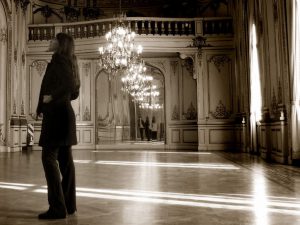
120	50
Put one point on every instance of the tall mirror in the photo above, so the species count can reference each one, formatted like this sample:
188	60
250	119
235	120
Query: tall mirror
120	118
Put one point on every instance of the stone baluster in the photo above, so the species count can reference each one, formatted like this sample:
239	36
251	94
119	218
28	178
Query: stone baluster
103	29
175	28
97	30
143	27
136	27
155	28
163	28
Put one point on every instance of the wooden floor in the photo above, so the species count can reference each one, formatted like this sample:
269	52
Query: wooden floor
141	187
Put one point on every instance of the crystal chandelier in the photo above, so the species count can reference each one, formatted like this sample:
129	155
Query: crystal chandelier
150	98
120	50
135	80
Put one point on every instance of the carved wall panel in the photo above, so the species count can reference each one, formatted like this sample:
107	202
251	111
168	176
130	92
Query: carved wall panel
183	89
220	85
189	90
174	80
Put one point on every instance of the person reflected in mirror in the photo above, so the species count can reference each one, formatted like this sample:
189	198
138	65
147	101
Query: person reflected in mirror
141	127
60	85
154	128
147	128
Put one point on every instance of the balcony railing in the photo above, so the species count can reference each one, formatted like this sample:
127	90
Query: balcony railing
140	25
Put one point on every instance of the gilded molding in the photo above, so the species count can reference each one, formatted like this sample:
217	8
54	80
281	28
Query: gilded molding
219	61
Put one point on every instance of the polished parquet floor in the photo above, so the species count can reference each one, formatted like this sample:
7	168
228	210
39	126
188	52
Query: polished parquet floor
138	187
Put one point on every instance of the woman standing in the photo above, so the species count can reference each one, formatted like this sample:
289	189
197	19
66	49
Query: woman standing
60	85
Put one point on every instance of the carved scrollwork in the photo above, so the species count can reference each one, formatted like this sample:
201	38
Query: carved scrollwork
175	113
22	108
221	112
23	58
16	54
191	113
2	138
274	103
280	100
188	64
3	35
86	115
219	61
40	66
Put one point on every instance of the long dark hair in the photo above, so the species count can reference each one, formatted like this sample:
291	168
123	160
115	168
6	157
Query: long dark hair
66	47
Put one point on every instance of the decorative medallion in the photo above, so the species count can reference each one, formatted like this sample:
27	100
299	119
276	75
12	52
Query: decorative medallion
221	112
175	114
199	42
219	61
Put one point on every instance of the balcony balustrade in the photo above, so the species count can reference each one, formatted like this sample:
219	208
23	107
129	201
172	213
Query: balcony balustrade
140	25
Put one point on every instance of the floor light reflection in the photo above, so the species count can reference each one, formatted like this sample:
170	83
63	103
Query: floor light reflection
155	152
171	165
260	199
260	219
82	161
258	203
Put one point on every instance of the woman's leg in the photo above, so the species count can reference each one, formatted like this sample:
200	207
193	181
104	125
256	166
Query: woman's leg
55	193
67	170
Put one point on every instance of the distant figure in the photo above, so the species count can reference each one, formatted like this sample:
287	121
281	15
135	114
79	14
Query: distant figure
154	128
60	85
141	127
147	129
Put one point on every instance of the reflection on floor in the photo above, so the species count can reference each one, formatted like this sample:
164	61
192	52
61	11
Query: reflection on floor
123	187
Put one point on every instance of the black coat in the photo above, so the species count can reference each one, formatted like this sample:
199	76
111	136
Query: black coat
59	122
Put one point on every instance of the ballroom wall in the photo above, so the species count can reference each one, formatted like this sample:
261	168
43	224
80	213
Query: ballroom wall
208	82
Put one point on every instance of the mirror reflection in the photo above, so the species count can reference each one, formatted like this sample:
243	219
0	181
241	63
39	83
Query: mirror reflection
124	116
